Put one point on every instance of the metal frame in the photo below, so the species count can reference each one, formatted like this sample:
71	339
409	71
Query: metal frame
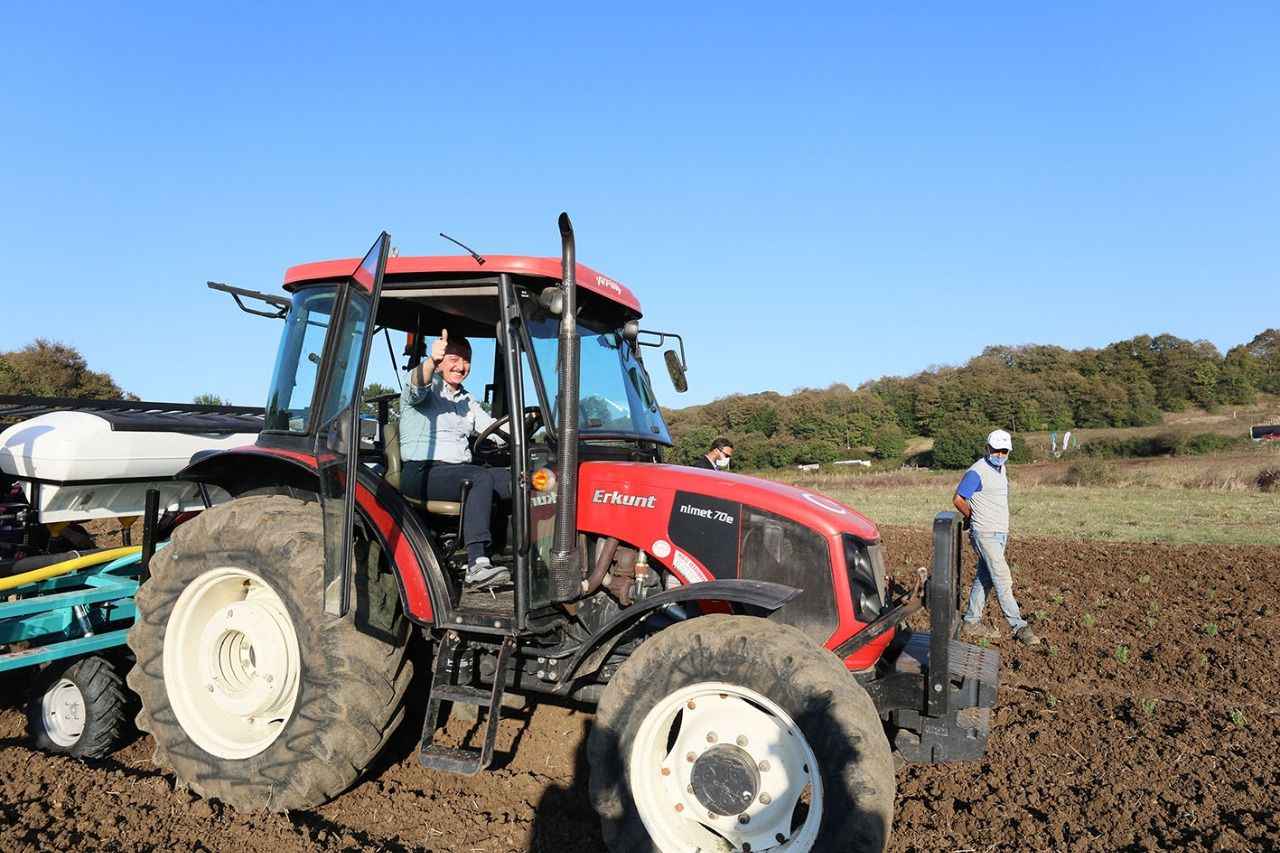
64	616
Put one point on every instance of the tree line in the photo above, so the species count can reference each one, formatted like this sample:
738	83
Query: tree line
1020	388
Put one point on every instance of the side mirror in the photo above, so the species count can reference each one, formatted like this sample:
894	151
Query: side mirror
676	371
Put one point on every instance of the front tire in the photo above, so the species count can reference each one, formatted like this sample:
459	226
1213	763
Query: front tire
252	693
736	733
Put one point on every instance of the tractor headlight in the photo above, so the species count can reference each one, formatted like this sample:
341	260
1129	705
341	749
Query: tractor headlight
865	565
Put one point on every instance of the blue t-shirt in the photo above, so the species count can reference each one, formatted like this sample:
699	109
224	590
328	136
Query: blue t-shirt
969	484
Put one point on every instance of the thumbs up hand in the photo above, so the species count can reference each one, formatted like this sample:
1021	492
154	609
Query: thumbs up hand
439	345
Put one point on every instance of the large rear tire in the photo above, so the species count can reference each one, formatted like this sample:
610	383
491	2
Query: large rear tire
252	693
736	733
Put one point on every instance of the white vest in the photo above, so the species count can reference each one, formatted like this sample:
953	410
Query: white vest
990	504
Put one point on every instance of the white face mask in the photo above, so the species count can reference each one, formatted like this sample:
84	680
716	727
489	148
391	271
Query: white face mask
722	462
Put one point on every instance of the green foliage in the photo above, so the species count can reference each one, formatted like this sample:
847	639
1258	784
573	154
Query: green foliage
1087	472
1088	621
1144	579
51	369
209	400
1050	700
1210	629
889	442
1019	388
1122	654
816	450
377	389
959	443
1165	444
1147	706
1238	718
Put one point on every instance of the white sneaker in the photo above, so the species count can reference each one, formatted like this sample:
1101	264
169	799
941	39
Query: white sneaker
483	573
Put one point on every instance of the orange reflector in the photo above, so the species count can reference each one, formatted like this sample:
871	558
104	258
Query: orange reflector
543	480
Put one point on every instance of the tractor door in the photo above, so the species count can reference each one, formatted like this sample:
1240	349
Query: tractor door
338	436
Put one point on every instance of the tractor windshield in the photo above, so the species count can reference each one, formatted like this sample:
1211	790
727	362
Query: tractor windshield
615	397
293	385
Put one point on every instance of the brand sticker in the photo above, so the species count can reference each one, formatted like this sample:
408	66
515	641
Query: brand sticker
616	498
712	514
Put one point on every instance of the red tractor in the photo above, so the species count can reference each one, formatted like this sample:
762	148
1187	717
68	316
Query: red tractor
746	654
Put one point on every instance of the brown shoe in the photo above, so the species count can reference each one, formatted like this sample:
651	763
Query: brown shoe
1025	636
977	631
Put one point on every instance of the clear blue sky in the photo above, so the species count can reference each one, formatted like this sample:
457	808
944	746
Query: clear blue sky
814	197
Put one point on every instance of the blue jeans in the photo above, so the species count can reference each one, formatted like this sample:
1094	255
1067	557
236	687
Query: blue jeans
993	571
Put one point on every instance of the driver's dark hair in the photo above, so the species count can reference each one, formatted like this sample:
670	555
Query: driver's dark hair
721	443
461	341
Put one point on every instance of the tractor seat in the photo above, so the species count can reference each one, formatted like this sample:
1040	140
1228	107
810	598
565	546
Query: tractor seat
391	443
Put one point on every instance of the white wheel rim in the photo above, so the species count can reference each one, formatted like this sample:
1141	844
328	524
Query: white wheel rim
231	663
747	727
62	711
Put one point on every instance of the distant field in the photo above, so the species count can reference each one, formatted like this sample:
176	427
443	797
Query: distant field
1179	500
1231	421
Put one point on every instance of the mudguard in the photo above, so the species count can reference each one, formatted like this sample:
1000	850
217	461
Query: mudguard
424	587
741	595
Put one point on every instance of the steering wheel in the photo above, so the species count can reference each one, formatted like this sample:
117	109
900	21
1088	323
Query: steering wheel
498	429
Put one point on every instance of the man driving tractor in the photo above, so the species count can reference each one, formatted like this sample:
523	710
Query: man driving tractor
437	417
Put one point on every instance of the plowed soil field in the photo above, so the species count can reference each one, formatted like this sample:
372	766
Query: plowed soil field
1147	721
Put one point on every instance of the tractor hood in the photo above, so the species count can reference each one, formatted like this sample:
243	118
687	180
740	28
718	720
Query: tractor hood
698	522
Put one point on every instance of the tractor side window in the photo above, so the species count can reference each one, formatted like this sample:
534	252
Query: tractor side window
293	384
342	379
783	551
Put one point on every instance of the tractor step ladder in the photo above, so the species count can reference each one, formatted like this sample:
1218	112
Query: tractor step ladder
465	760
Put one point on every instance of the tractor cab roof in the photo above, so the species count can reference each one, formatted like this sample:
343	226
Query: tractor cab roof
407	273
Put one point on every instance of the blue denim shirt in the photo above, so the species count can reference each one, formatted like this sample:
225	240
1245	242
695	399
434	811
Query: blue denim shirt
436	421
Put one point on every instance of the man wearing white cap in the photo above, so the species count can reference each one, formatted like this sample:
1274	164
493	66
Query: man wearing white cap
983	499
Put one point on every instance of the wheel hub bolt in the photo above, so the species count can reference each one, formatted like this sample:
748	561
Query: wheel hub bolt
765	799
764	766
666	771
744	819
679	807
691	705
780	838
711	737
741	741
691	757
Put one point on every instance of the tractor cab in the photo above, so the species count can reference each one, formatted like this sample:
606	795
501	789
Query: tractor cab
509	308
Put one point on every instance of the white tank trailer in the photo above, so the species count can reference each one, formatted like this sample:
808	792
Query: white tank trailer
79	466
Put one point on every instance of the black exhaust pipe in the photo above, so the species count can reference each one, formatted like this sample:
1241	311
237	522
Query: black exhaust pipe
566	574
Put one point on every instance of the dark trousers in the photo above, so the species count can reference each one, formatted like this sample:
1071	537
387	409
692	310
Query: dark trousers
442	481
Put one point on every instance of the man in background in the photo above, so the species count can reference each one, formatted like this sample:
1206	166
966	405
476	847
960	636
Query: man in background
717	458
983	499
